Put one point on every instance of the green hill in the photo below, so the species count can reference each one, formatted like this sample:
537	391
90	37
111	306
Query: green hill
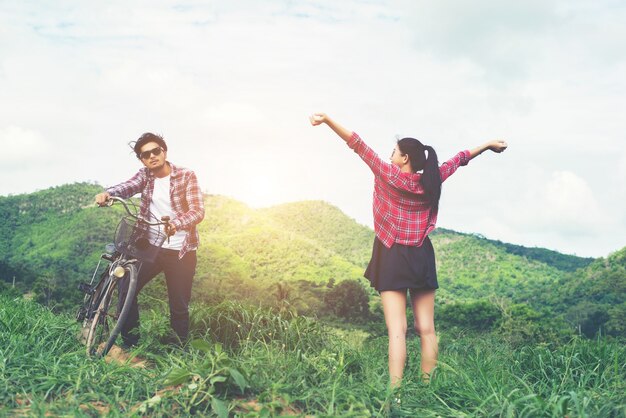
294	251
326	226
595	297
552	258
267	249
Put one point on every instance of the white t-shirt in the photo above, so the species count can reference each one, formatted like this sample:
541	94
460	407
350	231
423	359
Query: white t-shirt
162	206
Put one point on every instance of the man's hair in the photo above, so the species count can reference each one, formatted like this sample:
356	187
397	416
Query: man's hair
144	139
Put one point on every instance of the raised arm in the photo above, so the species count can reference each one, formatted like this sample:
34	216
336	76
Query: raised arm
495	146
319	118
388	172
462	158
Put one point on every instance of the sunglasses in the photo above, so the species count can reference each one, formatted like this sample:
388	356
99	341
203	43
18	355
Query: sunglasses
155	151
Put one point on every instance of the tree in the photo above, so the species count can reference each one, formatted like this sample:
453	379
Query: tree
588	317
616	325
478	315
348	300
44	288
284	297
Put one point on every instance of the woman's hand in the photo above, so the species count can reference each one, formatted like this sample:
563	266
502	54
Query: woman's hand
497	146
318	118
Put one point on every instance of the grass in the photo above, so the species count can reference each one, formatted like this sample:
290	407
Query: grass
248	361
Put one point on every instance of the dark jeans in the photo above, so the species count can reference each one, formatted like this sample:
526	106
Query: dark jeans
179	277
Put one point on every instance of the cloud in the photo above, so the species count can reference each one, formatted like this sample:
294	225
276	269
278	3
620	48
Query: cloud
230	84
512	41
529	205
499	37
22	146
556	210
567	204
114	23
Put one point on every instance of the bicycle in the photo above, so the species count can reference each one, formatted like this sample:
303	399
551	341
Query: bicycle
107	302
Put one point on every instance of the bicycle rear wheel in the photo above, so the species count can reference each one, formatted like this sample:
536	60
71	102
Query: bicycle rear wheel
111	313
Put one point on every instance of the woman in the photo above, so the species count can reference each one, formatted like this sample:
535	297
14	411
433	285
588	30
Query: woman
406	201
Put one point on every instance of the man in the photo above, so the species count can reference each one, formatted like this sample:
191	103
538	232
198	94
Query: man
166	190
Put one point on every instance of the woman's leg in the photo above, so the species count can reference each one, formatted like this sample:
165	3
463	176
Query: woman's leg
424	312
394	307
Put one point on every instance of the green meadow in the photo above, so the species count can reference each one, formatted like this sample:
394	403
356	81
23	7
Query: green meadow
283	324
247	361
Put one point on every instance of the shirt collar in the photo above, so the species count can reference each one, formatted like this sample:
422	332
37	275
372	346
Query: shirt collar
175	171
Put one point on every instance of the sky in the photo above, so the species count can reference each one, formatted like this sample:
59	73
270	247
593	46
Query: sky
230	85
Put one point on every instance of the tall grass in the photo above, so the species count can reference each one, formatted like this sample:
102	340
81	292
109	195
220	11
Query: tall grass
482	377
44	368
249	361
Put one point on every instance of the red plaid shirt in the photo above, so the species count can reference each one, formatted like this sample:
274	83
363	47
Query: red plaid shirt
185	198
401	213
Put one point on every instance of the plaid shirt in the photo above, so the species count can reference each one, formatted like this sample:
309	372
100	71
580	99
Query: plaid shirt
185	198
401	213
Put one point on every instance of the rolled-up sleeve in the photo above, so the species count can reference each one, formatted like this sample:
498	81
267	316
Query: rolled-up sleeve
449	167
386	171
130	187
195	204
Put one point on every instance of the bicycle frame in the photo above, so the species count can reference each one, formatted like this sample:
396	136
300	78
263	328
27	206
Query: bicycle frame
124	262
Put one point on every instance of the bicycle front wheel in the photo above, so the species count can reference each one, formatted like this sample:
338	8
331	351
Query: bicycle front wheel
90	305
111	313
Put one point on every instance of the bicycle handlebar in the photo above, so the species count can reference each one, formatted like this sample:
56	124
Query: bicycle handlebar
165	220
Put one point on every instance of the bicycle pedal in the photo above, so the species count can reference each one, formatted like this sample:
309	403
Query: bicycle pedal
85	288
81	314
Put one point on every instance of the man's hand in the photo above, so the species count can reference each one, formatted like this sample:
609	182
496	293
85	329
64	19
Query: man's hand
102	198
170	229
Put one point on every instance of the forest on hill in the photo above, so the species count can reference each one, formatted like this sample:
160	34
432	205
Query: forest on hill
309	257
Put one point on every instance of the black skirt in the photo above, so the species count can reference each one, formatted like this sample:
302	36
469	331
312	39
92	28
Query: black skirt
402	267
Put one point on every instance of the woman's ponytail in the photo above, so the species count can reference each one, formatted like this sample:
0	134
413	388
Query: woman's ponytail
431	178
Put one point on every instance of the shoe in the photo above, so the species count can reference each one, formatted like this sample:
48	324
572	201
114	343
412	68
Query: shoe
172	339
129	345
